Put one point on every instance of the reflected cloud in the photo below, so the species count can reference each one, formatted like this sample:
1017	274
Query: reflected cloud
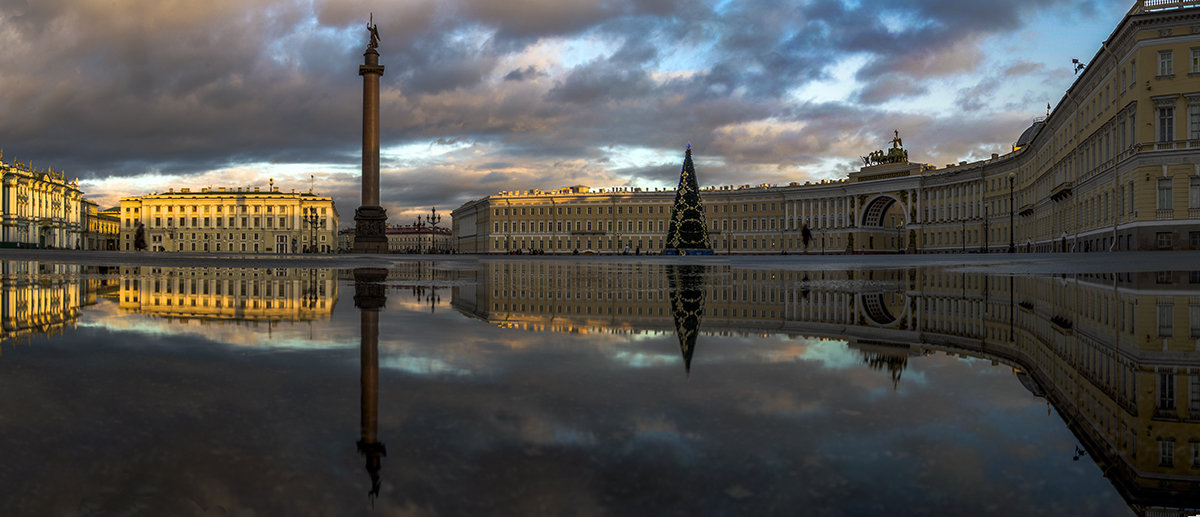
910	381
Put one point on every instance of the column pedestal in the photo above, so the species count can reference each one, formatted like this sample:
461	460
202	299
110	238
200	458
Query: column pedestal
370	223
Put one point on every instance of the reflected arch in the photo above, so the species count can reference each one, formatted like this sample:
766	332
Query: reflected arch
883	309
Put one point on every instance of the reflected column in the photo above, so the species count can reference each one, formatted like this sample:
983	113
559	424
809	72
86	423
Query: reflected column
369	298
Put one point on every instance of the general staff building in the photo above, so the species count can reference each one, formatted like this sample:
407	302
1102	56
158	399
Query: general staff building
1115	166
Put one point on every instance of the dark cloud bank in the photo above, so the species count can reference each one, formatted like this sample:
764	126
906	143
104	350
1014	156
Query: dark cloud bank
123	89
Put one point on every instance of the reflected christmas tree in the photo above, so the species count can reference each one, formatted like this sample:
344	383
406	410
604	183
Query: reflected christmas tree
687	304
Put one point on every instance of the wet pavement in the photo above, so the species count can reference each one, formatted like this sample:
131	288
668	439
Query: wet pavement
350	385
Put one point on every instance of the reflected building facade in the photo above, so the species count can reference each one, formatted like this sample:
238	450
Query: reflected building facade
1117	355
229	294
39	298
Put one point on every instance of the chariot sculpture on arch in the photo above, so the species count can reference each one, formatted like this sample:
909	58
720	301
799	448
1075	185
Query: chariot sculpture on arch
897	154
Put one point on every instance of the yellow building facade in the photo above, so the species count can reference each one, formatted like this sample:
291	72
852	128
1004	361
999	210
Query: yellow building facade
229	220
39	208
1115	166
101	227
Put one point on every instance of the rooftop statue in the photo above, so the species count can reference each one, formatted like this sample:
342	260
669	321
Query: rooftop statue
374	30
897	154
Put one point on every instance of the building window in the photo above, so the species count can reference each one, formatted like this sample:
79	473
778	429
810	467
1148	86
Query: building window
1166	320
1164	240
1165	68
1165	194
1194	121
1166	452
1166	391
1166	124
1195	454
1195	60
1194	397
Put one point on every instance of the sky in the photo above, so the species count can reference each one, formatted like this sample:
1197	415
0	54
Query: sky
483	96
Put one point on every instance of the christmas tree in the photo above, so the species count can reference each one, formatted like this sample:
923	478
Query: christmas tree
687	233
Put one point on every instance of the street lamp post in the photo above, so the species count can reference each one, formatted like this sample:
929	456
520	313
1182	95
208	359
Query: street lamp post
1012	208
987	237
419	226
433	219
314	221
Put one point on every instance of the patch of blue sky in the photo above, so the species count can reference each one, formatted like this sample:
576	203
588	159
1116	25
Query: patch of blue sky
831	168
302	170
635	359
263	341
476	36
586	49
684	57
937	101
900	22
1054	40
831	354
416	154
288	48
423	366
837	82
624	156
153	177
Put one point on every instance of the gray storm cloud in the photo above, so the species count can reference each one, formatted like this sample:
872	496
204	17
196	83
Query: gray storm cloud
107	89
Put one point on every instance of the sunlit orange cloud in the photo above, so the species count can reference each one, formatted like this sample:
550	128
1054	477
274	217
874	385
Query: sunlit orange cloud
108	191
264	334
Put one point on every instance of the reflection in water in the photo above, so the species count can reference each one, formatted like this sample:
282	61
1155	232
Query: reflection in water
1117	355
40	298
687	304
369	298
230	295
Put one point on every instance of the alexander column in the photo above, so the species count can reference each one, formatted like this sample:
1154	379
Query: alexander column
370	219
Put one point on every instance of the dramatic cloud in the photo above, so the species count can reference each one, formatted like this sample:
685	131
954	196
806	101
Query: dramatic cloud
480	96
